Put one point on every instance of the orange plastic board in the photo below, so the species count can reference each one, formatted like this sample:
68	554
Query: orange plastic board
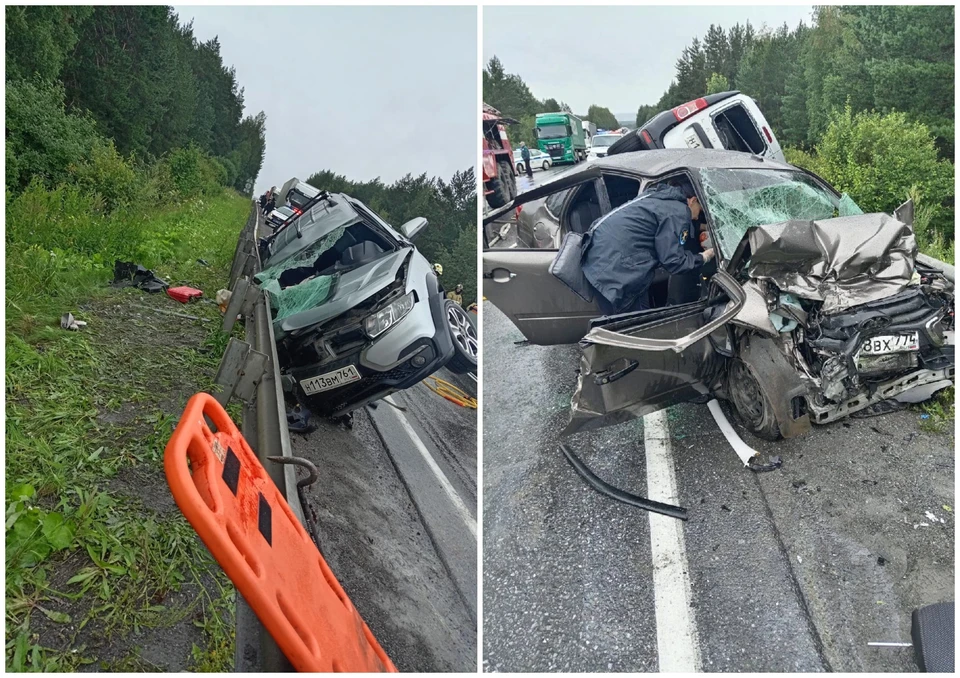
228	498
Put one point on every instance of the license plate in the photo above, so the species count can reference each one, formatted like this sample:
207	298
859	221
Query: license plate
325	382
891	343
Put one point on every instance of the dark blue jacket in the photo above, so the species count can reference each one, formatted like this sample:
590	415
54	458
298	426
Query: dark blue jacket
623	248
525	153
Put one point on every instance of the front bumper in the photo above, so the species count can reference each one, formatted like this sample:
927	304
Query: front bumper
414	361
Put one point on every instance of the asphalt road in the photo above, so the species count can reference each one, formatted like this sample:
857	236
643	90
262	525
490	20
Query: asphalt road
389	531
793	570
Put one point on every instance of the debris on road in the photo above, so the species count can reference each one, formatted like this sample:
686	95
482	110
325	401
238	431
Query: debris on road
68	322
223	299
450	392
128	273
184	294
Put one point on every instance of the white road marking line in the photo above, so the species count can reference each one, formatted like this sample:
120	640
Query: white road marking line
458	504
472	376
678	648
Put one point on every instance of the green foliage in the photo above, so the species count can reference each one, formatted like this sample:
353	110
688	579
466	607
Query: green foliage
145	80
602	117
645	112
43	139
108	175
883	160
39	39
193	172
716	83
450	208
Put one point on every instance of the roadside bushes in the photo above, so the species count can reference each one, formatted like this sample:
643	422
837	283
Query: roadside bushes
881	160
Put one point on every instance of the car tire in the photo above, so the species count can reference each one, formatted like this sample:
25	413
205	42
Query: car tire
752	406
463	331
504	186
626	144
546	165
519	168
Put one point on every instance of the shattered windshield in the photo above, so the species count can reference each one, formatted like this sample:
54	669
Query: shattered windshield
740	198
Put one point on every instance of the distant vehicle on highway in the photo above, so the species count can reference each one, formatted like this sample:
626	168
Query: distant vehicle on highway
601	144
279	216
561	136
295	194
811	311
358	311
538	160
729	120
589	128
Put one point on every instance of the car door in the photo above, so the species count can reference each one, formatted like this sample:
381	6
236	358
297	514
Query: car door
518	282
638	363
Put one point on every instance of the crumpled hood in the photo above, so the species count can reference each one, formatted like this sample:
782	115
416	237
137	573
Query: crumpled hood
351	289
841	262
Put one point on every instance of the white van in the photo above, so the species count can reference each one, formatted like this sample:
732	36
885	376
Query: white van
728	120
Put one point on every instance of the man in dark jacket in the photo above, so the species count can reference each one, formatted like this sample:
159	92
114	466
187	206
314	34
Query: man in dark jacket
624	248
525	155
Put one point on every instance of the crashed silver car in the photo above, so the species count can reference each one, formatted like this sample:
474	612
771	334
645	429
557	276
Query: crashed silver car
811	312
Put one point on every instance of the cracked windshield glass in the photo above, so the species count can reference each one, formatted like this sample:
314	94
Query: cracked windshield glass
739	199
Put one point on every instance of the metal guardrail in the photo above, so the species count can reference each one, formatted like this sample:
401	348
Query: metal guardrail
249	371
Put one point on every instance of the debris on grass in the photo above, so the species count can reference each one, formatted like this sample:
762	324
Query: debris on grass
68	322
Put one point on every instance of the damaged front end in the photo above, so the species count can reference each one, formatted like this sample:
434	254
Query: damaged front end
338	342
850	310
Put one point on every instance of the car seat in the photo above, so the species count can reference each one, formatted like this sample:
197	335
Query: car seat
359	254
583	215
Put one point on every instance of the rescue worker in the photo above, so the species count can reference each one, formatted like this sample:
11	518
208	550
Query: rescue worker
624	247
457	294
525	154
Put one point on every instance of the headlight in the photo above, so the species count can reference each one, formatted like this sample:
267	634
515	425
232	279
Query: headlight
381	321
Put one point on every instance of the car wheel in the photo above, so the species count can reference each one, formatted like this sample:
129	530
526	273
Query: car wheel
519	168
626	144
546	165
752	405
462	329
504	187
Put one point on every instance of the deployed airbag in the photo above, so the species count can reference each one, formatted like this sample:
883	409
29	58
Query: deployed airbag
841	262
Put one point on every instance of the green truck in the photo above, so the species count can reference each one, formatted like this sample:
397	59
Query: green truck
561	136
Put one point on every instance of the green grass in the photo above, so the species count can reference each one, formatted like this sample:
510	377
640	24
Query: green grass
81	558
937	414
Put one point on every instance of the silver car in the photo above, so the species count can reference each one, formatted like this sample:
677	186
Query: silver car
358	312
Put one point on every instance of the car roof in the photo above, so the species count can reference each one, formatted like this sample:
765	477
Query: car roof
660	161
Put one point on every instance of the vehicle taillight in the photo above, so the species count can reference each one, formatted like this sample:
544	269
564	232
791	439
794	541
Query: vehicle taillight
645	135
686	110
769	136
517	215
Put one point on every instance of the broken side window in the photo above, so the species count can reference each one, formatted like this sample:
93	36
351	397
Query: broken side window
740	198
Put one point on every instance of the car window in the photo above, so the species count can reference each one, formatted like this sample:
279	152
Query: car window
621	189
555	202
740	198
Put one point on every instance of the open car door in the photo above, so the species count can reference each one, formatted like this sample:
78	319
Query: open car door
637	363
519	283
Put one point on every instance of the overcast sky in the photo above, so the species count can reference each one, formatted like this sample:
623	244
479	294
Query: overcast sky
362	91
618	57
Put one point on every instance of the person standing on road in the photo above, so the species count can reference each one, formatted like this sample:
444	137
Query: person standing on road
525	154
456	295
622	250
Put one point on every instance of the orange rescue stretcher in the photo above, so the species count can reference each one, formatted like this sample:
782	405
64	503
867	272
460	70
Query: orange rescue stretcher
241	516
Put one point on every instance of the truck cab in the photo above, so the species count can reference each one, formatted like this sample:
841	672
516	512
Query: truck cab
561	136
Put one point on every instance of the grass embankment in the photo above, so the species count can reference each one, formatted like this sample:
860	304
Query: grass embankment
101	568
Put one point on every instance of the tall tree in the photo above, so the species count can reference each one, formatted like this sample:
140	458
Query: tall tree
602	117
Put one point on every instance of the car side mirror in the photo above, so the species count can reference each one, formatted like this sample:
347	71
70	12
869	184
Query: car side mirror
413	227
904	213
